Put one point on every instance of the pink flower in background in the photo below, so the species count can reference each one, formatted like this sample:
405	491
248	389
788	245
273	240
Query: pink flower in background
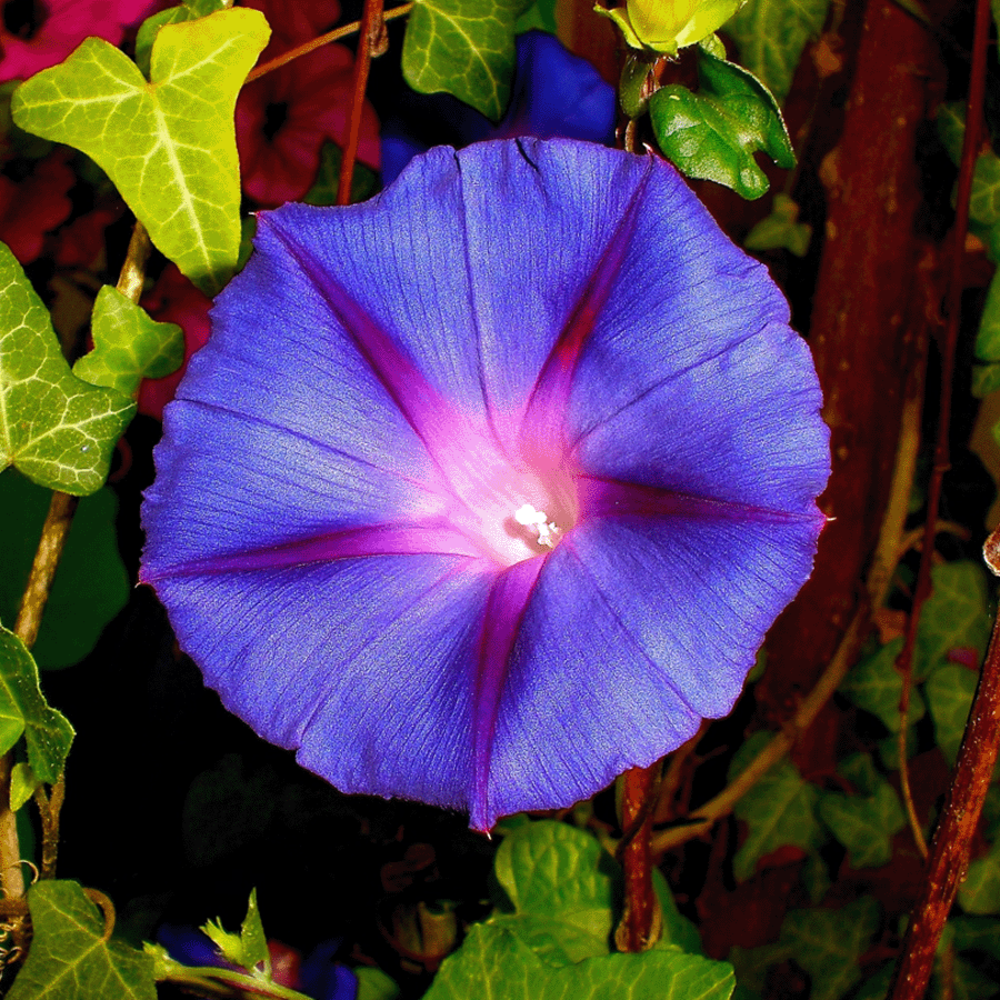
174	300
35	205
284	118
36	34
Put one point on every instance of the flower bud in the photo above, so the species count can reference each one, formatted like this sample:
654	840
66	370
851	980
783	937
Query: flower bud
667	25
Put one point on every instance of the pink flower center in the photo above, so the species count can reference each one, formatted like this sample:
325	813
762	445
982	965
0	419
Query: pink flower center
510	508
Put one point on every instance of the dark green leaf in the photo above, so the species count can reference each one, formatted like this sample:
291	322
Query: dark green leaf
128	345
23	709
540	16
876	685
956	616
91	585
771	35
779	810
170	145
493	962
714	134
977	934
781	230
464	47
984	201
864	824
69	960
828	943
55	428
980	892
949	692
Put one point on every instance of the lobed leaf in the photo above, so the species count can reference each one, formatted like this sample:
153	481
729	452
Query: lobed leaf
23	709
955	616
864	824
713	135
187	11
779	810
92	585
980	892
949	692
168	145
875	685
463	47
58	430
494	963
770	36
828	944
69	958
781	230
128	345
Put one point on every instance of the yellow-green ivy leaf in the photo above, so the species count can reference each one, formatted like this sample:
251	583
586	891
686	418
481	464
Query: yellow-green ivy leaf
169	145
128	345
57	429
23	709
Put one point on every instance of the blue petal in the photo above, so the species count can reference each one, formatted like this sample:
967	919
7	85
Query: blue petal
362	665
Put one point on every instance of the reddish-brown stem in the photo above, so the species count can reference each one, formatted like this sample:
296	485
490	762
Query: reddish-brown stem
949	342
974	768
953	836
640	926
373	42
317	43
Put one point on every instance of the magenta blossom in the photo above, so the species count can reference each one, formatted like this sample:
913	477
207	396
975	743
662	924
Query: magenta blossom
488	489
36	34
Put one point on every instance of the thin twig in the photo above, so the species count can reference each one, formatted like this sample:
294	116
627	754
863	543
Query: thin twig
318	43
373	42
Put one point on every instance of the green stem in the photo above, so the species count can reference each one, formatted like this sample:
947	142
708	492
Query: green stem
206	977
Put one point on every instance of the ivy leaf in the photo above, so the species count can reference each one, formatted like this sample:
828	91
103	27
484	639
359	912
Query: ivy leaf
56	429
781	230
169	146
561	887
977	934
779	810
494	962
771	34
248	949
187	11
69	957
984	201
875	685
713	134
89	589
128	345
828	943
980	892
540	16
23	709
956	616
464	47
949	691
864	824
562	892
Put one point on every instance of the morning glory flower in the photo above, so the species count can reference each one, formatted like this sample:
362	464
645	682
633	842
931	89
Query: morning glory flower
553	94
487	489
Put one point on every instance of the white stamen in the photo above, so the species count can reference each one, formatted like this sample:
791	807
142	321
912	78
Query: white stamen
538	521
